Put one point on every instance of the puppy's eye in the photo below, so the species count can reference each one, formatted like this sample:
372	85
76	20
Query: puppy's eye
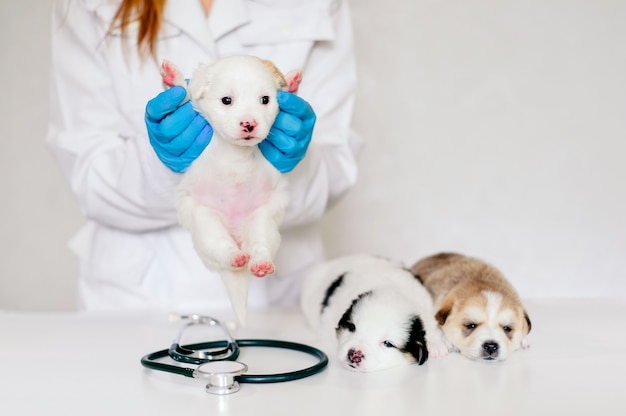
265	100
507	329
388	344
469	327
227	100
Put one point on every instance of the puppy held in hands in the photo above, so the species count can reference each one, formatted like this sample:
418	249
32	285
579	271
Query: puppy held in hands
231	198
377	311
479	311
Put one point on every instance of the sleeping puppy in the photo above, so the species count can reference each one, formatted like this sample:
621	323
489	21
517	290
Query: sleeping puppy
379	313
479	311
231	198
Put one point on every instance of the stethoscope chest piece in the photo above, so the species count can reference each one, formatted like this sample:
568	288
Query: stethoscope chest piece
221	376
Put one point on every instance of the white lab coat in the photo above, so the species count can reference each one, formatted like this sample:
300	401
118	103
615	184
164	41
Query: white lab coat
132	252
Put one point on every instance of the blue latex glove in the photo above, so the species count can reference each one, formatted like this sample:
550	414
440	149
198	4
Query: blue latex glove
177	134
290	135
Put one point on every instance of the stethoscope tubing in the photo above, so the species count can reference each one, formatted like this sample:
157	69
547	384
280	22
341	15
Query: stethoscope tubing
148	360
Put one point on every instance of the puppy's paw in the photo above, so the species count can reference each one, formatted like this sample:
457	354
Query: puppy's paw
448	345
239	260
262	268
222	258
437	349
525	344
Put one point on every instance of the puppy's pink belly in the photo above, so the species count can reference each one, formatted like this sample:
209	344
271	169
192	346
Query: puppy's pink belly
235	204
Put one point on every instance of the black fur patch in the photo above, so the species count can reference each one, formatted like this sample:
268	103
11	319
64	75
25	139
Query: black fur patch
346	320
331	290
416	344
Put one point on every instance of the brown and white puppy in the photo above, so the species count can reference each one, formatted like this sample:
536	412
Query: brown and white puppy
479	311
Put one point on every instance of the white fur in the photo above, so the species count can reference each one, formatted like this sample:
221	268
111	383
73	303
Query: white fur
231	198
379	317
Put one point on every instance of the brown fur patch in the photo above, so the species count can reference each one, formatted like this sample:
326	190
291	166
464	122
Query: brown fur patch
444	311
279	78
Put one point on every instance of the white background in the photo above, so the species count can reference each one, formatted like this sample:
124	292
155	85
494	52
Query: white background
493	128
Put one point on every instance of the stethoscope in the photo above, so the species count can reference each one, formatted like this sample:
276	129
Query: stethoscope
216	360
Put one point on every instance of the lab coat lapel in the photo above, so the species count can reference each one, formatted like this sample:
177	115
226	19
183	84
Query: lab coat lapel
188	16
226	16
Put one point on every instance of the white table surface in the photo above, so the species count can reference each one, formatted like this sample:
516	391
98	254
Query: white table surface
88	364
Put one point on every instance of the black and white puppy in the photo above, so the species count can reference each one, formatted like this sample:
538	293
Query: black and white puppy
378	311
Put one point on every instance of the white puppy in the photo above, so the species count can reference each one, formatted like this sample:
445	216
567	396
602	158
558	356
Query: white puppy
231	198
380	314
478	310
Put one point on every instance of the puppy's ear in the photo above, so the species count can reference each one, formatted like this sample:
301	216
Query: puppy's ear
293	79
279	78
442	314
200	81
528	324
416	343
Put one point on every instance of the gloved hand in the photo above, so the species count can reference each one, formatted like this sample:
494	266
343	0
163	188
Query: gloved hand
177	134
290	135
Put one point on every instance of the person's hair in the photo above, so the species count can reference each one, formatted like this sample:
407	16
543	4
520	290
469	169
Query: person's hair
148	14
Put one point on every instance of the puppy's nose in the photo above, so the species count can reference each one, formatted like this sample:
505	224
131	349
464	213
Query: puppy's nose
355	356
490	348
248	125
